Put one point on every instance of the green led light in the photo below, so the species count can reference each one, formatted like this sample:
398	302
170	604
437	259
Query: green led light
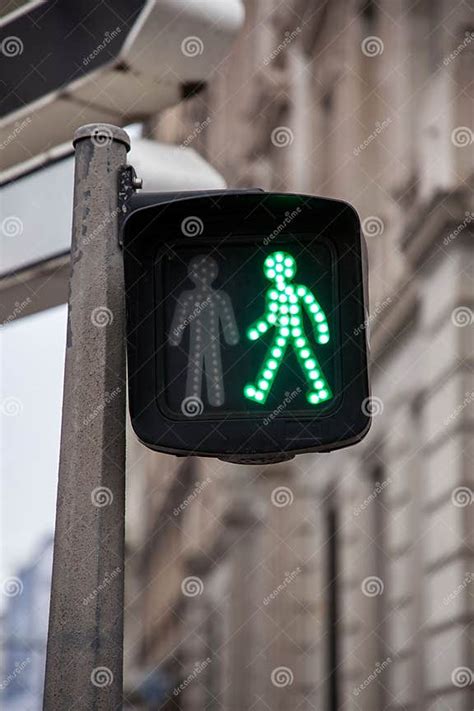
280	268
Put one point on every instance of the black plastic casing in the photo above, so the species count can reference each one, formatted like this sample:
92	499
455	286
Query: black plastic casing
153	223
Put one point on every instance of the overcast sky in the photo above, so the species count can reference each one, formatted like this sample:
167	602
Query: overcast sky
32	352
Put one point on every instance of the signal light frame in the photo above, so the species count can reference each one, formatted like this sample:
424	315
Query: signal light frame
153	229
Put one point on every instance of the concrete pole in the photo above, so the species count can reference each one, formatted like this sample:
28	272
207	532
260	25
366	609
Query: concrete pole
85	641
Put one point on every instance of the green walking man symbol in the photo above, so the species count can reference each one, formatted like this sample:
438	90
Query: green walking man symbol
285	303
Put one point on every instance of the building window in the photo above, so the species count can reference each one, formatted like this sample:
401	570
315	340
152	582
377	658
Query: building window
332	573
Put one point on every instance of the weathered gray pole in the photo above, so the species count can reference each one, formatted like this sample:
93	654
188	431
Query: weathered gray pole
85	642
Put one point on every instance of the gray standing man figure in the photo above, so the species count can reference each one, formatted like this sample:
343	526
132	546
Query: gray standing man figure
204	310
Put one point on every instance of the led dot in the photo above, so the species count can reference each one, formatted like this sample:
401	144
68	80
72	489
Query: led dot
319	384
272	318
300	342
314	308
279	257
301	291
288	273
280	341
283	298
288	290
310	364
309	298
284	320
323	339
259	395
263	385
273	294
273	306
294	320
305	353
323	394
267	374
314	398
289	262
272	364
313	374
271	273
279	267
296	332
262	327
276	352
270	262
284	309
319	317
294	309
249	391
285	331
280	284
253	334
323	328
293	299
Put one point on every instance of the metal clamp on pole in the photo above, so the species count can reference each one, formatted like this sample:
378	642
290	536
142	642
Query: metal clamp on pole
85	642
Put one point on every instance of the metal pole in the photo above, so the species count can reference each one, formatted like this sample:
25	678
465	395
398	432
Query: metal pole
85	641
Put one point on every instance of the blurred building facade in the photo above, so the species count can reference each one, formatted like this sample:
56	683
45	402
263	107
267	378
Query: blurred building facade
341	581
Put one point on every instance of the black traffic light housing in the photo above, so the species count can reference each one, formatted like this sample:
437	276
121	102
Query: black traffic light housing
245	324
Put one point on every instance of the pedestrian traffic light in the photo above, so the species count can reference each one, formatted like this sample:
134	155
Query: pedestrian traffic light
245	314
